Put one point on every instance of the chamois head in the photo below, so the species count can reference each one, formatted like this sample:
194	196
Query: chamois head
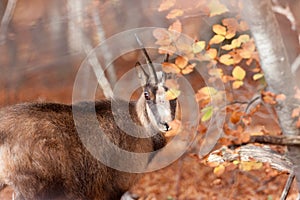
160	111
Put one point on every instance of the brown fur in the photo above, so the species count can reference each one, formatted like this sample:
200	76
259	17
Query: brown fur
42	156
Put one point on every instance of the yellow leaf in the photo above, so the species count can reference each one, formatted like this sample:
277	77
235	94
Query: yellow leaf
243	38
226	59
211	53
239	73
172	94
188	69
209	91
208	112
216	8
174	13
228	47
219	170
166	4
250	165
198	46
258	76
216	39
219	29
237	84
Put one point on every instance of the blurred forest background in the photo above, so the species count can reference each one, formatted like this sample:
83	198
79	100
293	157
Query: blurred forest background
43	43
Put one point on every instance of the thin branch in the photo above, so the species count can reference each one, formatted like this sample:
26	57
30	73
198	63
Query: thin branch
9	11
246	153
286	12
98	70
288	140
107	55
287	186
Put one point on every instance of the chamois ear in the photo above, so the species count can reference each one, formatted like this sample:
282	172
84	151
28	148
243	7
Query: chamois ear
142	74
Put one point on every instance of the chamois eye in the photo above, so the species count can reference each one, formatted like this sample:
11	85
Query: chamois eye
147	95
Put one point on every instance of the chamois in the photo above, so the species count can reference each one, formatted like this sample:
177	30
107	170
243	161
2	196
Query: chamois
42	156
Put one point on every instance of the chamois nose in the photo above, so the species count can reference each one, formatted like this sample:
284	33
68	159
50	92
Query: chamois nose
166	126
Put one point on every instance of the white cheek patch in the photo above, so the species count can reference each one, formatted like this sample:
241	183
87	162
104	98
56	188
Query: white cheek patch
163	105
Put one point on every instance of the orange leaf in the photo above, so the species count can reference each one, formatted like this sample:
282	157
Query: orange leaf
170	68
296	112
174	13
181	62
236	117
188	69
166	5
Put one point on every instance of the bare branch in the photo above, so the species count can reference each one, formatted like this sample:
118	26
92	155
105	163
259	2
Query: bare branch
287	186
286	12
289	140
245	153
9	11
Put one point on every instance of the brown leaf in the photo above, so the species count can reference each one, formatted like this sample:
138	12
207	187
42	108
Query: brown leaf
166	5
174	13
176	26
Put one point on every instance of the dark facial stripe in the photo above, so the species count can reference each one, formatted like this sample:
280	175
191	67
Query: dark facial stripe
173	104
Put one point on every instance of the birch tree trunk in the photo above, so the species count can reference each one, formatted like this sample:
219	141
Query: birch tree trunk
276	67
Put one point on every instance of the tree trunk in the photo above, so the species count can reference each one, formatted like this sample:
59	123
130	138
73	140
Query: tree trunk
276	67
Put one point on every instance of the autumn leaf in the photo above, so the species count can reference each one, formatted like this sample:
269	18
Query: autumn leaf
216	8
170	68
258	76
226	59
172	93
198	46
181	66
174	13
236	117
239	73
232	26
237	84
219	29
207	113
162	36
217	39
176	26
219	170
250	165
166	5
